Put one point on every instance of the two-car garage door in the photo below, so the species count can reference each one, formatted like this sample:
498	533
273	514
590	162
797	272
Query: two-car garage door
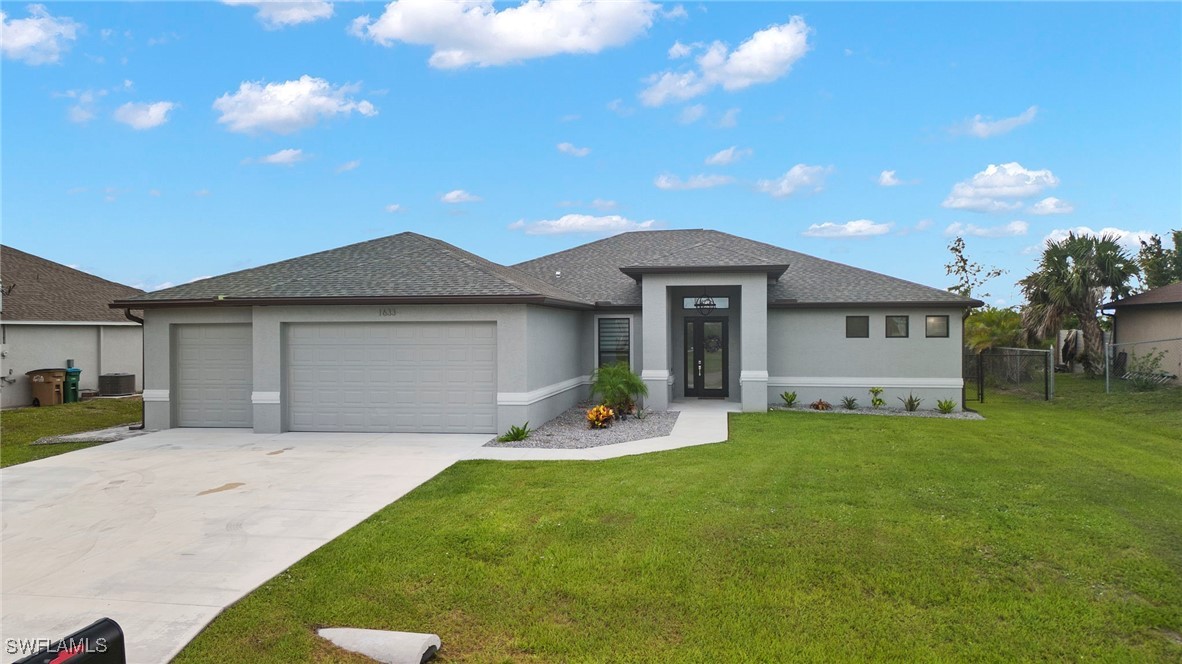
391	377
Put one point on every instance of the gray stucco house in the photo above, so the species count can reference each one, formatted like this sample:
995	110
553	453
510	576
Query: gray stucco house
408	333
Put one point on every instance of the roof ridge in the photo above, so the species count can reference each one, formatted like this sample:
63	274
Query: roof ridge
514	277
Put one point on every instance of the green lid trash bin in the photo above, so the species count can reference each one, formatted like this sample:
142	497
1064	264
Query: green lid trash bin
71	386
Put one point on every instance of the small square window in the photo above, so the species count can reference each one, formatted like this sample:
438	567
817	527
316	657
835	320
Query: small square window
857	327
936	326
896	327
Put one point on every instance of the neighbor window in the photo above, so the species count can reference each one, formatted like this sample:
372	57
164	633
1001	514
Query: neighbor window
857	327
936	326
896	326
615	343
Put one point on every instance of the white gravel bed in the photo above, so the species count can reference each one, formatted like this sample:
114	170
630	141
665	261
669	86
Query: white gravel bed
569	431
893	412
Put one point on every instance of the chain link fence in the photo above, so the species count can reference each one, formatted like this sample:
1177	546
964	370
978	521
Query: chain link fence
1025	372
1142	365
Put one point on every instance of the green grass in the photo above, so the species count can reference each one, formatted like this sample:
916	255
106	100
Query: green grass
21	426
1050	531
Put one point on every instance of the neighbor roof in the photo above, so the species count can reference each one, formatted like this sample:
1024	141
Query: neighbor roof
592	271
1168	294
36	289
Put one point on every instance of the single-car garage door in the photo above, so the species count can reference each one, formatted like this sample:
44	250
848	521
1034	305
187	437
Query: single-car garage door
213	375
391	377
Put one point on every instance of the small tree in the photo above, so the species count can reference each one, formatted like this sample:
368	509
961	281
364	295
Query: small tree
969	275
618	387
994	327
1161	266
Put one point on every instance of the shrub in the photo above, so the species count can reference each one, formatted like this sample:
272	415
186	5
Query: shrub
876	399
849	403
515	433
600	417
618	387
1144	371
820	404
789	399
946	405
911	403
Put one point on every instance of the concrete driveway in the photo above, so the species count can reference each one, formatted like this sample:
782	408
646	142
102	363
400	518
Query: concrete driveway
163	531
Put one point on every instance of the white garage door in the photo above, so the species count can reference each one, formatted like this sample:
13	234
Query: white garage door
213	375
392	377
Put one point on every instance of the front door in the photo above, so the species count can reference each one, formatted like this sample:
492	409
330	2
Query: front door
706	363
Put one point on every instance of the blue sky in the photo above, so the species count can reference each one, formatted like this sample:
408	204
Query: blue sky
154	143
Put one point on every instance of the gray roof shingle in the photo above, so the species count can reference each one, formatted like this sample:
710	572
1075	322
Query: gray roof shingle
1168	294
42	290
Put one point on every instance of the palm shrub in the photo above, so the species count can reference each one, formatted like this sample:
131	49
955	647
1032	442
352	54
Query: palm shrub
617	386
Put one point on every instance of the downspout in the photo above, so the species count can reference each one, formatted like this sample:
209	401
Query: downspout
143	365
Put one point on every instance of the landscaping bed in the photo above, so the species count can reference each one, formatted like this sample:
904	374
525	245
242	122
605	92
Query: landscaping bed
570	430
894	412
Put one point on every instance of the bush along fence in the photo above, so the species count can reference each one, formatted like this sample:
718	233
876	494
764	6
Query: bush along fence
1142	365
1028	372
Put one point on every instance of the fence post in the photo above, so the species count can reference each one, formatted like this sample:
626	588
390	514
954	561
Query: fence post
981	377
1107	364
1046	377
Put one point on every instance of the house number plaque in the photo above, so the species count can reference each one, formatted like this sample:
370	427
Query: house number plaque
387	312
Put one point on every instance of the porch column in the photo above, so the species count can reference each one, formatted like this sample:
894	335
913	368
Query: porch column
655	335
753	342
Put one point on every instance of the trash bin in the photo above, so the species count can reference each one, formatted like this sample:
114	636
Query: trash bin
48	386
70	391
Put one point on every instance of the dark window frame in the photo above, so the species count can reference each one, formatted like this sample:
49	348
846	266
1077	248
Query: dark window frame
849	319
927	330
906	326
599	350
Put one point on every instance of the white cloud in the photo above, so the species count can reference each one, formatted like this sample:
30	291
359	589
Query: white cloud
276	14
1051	205
765	57
679	50
1130	240
730	118
889	179
1012	229
393	208
998	188
801	177
349	166
286	157
38	39
983	127
856	228
475	33
728	156
569	148
459	196
604	204
923	224
674	183
582	223
144	115
287	107
691	114
618	107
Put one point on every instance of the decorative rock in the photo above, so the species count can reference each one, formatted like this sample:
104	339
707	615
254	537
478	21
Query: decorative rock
384	646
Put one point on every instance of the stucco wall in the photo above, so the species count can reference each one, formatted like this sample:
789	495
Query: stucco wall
557	370
1152	323
808	353
95	349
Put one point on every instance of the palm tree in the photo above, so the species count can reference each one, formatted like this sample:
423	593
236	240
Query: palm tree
1074	276
994	327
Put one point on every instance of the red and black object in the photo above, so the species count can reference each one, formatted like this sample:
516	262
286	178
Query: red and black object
100	643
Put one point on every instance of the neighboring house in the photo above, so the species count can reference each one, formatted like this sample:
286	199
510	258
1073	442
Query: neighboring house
1150	322
50	313
408	333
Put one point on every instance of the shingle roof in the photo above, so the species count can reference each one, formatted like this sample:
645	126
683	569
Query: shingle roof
42	290
591	271
1168	294
406	265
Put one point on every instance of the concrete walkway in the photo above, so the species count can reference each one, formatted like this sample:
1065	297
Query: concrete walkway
163	531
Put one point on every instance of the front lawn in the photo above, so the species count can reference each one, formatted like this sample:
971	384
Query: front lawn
1049	531
21	426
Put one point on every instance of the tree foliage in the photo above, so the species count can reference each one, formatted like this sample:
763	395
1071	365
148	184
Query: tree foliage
994	327
1161	266
1074	277
969	275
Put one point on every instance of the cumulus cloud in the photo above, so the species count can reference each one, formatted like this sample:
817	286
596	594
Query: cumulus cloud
691	114
569	148
287	157
1051	205
144	115
284	108
674	183
983	127
621	109
679	50
459	196
730	118
728	156
349	166
582	223
276	14
799	178
889	179
462	34
1130	240
1012	229
393	208
38	39
855	228
999	188
765	57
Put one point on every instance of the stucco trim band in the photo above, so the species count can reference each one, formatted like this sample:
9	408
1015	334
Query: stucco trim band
880	381
156	395
264	397
540	394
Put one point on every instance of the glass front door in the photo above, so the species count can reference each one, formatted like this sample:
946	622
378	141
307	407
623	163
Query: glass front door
706	357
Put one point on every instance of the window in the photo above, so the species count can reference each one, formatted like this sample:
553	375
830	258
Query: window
857	327
615	343
719	302
896	327
936	326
